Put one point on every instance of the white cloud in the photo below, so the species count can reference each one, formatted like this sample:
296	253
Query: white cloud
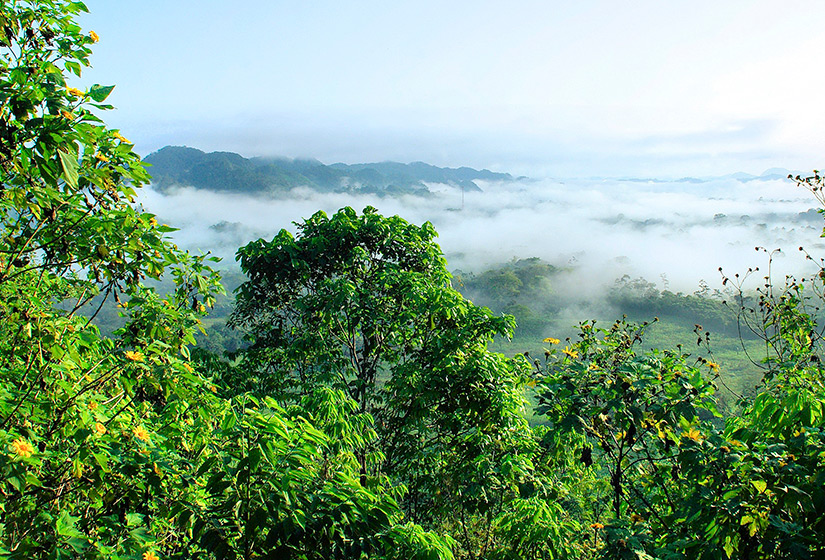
606	227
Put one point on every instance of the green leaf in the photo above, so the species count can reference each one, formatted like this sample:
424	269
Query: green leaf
70	167
102	461
73	67
228	421
100	93
16	482
760	485
65	525
728	547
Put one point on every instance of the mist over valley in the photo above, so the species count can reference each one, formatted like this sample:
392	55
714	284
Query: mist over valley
675	232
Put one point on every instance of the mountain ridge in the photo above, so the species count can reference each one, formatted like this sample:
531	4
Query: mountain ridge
174	166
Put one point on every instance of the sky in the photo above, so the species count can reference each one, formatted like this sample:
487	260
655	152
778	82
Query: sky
652	88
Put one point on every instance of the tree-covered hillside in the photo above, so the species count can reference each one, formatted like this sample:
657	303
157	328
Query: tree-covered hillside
224	171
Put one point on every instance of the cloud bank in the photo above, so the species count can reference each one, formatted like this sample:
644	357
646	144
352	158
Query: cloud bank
601	228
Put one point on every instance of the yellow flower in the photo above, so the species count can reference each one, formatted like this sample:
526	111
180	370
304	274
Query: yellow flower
66	115
594	366
572	353
94	36
713	366
141	433
101	157
551	340
120	137
150	555
188	368
693	434
596	526
100	429
75	92
21	447
134	356
92	405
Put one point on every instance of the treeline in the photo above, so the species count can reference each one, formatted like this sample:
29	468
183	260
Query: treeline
529	290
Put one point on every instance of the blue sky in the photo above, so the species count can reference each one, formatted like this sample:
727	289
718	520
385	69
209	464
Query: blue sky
652	88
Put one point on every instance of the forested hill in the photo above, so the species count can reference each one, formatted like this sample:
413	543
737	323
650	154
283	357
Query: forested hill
225	171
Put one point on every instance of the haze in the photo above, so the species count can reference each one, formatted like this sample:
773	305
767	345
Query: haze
599	229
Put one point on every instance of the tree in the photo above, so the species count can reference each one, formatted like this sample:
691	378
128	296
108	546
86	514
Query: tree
362	304
628	415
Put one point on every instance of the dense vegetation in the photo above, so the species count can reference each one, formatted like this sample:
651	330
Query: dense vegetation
366	415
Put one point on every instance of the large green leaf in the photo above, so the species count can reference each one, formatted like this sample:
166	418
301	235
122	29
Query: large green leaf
70	167
100	93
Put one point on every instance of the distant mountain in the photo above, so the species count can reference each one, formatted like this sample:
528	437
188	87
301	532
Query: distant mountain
225	171
775	173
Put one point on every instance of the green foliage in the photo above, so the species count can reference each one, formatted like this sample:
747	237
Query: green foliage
682	484
284	483
630	412
362	304
522	288
367	418
640	298
92	428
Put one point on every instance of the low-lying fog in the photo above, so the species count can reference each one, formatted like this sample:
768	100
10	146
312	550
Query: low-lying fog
604	228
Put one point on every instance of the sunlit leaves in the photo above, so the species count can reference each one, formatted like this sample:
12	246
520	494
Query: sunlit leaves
362	304
101	429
